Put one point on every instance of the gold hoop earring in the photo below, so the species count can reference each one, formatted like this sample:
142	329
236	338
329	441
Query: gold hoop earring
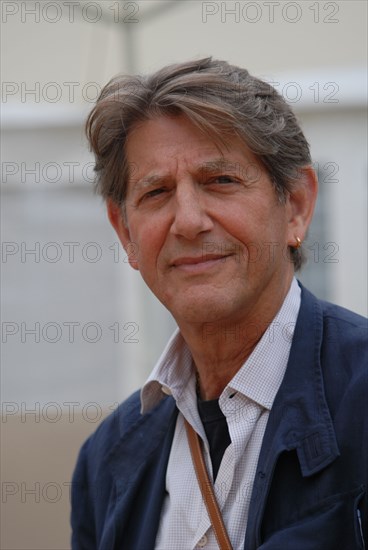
298	243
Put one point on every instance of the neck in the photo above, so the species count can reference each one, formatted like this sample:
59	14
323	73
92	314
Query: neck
219	349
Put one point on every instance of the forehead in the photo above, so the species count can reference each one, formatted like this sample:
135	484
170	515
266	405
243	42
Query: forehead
167	144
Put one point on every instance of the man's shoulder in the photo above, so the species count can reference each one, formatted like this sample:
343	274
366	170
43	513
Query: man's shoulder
339	337
126	423
120	420
350	325
345	328
343	315
344	351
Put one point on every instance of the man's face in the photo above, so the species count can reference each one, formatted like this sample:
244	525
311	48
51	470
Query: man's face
209	234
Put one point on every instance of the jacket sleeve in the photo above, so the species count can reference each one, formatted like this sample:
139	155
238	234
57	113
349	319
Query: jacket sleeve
82	519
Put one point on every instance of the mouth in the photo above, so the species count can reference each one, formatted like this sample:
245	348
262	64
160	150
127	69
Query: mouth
197	264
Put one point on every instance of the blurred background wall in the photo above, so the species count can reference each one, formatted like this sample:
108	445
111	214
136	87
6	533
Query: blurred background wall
79	329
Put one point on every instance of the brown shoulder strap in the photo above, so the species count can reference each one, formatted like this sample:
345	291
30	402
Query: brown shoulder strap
207	489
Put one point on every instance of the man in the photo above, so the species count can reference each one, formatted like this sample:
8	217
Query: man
208	182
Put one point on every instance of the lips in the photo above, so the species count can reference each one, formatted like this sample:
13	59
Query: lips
198	264
194	260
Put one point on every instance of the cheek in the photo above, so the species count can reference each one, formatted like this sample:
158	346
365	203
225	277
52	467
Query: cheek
147	243
260	230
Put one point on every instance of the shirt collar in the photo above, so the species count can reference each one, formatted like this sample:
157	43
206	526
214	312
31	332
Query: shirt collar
261	375
258	379
171	374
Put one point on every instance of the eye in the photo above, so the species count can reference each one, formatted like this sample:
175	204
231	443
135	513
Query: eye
224	179
153	193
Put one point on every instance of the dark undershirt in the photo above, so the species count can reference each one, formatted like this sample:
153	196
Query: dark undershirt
217	432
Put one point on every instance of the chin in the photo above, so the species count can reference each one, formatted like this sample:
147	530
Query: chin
201	309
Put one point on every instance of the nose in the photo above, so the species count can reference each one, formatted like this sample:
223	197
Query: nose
190	216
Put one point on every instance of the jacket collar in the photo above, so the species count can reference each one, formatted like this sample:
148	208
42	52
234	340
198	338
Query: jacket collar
138	468
300	418
301	402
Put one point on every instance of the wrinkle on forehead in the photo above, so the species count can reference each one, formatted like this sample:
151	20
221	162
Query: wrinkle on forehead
161	153
217	165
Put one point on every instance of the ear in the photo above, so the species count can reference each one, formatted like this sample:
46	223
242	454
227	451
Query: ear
116	217
301	202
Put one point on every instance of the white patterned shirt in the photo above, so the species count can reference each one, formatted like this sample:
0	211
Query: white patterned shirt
246	403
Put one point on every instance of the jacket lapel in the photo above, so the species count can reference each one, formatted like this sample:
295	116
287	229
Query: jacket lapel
138	467
299	419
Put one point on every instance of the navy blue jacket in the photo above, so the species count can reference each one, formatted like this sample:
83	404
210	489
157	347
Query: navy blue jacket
310	489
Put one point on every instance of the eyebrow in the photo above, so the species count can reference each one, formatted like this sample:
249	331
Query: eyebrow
215	165
219	164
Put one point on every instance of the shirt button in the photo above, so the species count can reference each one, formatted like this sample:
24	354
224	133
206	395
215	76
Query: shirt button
202	541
